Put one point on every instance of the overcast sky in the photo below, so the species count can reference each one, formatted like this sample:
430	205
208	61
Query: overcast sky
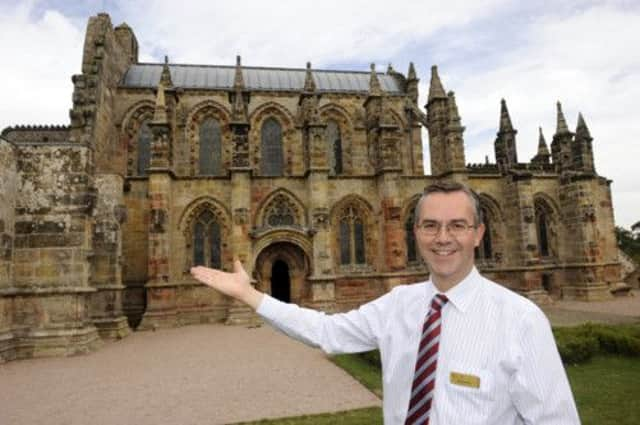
582	53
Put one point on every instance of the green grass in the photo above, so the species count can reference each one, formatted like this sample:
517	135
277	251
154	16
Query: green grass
363	371
607	390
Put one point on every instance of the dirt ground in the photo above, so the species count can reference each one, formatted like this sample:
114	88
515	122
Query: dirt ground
208	374
617	310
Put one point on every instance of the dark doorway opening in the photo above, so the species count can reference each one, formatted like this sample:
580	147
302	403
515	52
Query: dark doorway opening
280	281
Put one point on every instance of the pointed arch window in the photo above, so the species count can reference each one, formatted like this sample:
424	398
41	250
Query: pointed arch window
206	241
272	158
484	251
280	212
352	236
335	147
543	232
544	229
410	239
210	147
145	136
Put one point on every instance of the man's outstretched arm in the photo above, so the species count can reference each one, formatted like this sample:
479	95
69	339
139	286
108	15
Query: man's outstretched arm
355	331
236	285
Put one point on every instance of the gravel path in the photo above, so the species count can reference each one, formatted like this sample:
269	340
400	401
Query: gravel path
208	374
617	310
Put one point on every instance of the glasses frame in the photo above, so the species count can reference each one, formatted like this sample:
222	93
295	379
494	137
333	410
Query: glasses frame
449	228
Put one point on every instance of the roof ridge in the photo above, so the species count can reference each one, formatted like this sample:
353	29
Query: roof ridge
191	65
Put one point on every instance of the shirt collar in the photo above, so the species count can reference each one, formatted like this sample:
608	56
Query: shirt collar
463	293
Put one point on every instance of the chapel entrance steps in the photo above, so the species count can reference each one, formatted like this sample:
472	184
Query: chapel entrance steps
240	314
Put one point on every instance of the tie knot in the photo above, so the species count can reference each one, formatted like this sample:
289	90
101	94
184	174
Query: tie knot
438	301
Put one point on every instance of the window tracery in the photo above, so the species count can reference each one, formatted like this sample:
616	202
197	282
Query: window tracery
210	147
145	136
207	241
272	158
280	212
352	237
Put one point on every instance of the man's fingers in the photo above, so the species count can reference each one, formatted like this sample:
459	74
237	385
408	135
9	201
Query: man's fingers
237	266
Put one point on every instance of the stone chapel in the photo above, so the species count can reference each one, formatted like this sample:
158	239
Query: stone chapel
309	176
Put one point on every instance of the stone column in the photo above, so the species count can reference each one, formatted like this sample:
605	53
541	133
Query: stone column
106	272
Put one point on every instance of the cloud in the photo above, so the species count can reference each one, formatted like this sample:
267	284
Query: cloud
37	58
583	60
579	52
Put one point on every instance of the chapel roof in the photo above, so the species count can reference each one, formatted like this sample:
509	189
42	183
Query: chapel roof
147	75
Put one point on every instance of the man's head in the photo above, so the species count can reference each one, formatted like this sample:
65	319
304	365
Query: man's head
448	227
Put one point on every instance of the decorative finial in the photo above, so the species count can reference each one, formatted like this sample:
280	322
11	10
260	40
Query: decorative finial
436	90
505	119
561	126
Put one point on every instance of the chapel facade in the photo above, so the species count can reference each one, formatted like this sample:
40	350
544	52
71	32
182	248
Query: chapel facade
309	176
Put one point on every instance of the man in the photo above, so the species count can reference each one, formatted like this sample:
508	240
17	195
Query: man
457	349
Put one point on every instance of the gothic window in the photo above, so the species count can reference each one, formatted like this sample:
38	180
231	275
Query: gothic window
542	216
410	239
206	241
352	237
335	147
272	160
210	147
485	250
145	136
280	212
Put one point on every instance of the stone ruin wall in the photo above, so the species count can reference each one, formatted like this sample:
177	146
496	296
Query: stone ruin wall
49	294
7	201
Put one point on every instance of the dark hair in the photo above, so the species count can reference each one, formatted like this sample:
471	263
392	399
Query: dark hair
449	186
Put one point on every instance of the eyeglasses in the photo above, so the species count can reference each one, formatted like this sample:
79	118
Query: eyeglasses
454	228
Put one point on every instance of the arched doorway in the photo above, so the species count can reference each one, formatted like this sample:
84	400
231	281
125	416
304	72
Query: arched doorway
280	281
281	270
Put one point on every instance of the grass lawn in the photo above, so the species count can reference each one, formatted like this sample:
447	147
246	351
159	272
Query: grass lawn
606	389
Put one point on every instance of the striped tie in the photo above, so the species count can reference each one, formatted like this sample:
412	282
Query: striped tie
424	377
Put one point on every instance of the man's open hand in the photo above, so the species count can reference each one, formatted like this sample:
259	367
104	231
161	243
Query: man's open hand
236	284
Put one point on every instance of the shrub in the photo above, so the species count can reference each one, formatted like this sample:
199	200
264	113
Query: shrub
580	343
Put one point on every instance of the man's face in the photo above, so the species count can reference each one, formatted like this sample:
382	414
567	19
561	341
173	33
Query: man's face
450	258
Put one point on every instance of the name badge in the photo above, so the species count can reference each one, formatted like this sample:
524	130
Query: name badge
464	380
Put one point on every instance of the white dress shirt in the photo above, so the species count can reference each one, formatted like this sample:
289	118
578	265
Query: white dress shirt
499	342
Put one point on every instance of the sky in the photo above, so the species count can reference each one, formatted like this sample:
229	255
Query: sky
533	54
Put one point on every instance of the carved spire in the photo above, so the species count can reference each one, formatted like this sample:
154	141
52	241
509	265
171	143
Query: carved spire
411	75
374	83
165	77
238	106
238	80
454	116
505	119
309	83
542	144
436	91
582	131
561	126
160	111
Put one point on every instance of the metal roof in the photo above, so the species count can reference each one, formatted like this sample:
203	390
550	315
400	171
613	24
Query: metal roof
221	77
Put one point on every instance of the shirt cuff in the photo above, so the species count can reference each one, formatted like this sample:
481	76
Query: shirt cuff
268	307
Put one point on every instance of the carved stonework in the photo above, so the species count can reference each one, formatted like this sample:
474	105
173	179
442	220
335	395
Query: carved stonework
321	218
240	156
120	213
281	212
240	216
588	213
157	220
528	214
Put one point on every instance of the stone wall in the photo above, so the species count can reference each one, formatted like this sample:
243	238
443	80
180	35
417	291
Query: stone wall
8	180
52	243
